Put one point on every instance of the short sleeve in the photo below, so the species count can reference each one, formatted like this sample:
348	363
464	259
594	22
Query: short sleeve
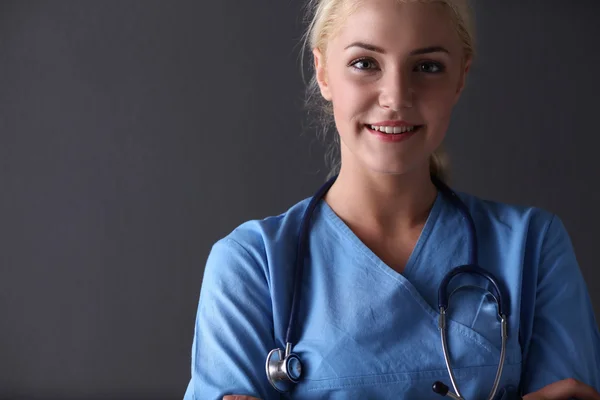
564	341
234	327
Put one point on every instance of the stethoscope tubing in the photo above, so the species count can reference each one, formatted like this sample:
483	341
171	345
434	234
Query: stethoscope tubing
283	370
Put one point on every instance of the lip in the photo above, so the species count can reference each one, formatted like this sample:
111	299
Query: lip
393	123
393	138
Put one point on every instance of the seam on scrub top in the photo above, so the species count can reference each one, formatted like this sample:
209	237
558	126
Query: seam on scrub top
399	378
268	281
464	370
356	243
383	267
257	266
351	237
549	272
376	261
465	331
481	302
253	261
478	310
417	252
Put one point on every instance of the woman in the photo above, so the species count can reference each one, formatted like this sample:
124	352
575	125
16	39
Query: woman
384	236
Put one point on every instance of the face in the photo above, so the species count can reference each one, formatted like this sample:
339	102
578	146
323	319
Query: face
391	64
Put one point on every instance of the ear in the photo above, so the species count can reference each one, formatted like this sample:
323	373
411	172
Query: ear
463	78
321	74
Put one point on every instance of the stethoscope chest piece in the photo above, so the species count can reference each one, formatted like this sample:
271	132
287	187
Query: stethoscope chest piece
283	370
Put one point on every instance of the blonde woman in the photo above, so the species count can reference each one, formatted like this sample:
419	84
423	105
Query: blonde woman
349	280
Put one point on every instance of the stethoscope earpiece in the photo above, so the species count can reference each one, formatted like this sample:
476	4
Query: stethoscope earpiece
283	370
443	390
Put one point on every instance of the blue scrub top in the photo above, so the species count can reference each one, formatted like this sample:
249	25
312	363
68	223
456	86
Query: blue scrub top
365	331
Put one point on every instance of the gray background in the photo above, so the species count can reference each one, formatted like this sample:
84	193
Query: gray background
134	134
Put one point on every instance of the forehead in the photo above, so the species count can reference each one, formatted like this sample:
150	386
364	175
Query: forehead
396	25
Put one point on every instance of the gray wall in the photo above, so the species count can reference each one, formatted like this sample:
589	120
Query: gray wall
133	134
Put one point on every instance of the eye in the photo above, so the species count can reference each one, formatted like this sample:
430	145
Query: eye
430	67
363	64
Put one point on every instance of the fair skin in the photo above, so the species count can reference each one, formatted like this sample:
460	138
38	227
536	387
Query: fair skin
417	73
384	192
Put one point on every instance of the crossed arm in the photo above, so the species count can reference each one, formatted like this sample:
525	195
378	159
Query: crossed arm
561	390
561	359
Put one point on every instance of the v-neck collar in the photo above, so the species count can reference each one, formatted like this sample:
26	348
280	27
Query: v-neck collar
341	226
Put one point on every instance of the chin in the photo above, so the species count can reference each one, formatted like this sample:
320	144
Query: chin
388	170
396	167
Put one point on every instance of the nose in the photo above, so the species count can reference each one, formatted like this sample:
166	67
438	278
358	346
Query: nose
396	91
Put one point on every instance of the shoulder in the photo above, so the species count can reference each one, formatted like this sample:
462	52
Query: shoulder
511	220
253	242
260	233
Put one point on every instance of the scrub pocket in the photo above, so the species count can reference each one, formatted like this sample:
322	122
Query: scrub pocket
475	308
403	357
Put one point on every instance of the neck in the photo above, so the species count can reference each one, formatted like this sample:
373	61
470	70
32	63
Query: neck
386	203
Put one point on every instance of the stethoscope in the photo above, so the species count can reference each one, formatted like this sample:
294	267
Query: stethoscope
284	369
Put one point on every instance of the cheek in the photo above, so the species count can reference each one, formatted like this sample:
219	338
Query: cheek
437	102
350	96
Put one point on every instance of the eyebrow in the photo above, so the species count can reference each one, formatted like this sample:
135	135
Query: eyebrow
424	50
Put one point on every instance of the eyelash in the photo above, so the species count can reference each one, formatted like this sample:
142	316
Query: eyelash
441	68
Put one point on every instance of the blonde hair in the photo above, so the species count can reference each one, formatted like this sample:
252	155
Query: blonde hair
324	18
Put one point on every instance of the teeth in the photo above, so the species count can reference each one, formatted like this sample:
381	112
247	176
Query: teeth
392	129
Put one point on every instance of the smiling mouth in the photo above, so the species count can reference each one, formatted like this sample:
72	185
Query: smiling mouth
394	130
